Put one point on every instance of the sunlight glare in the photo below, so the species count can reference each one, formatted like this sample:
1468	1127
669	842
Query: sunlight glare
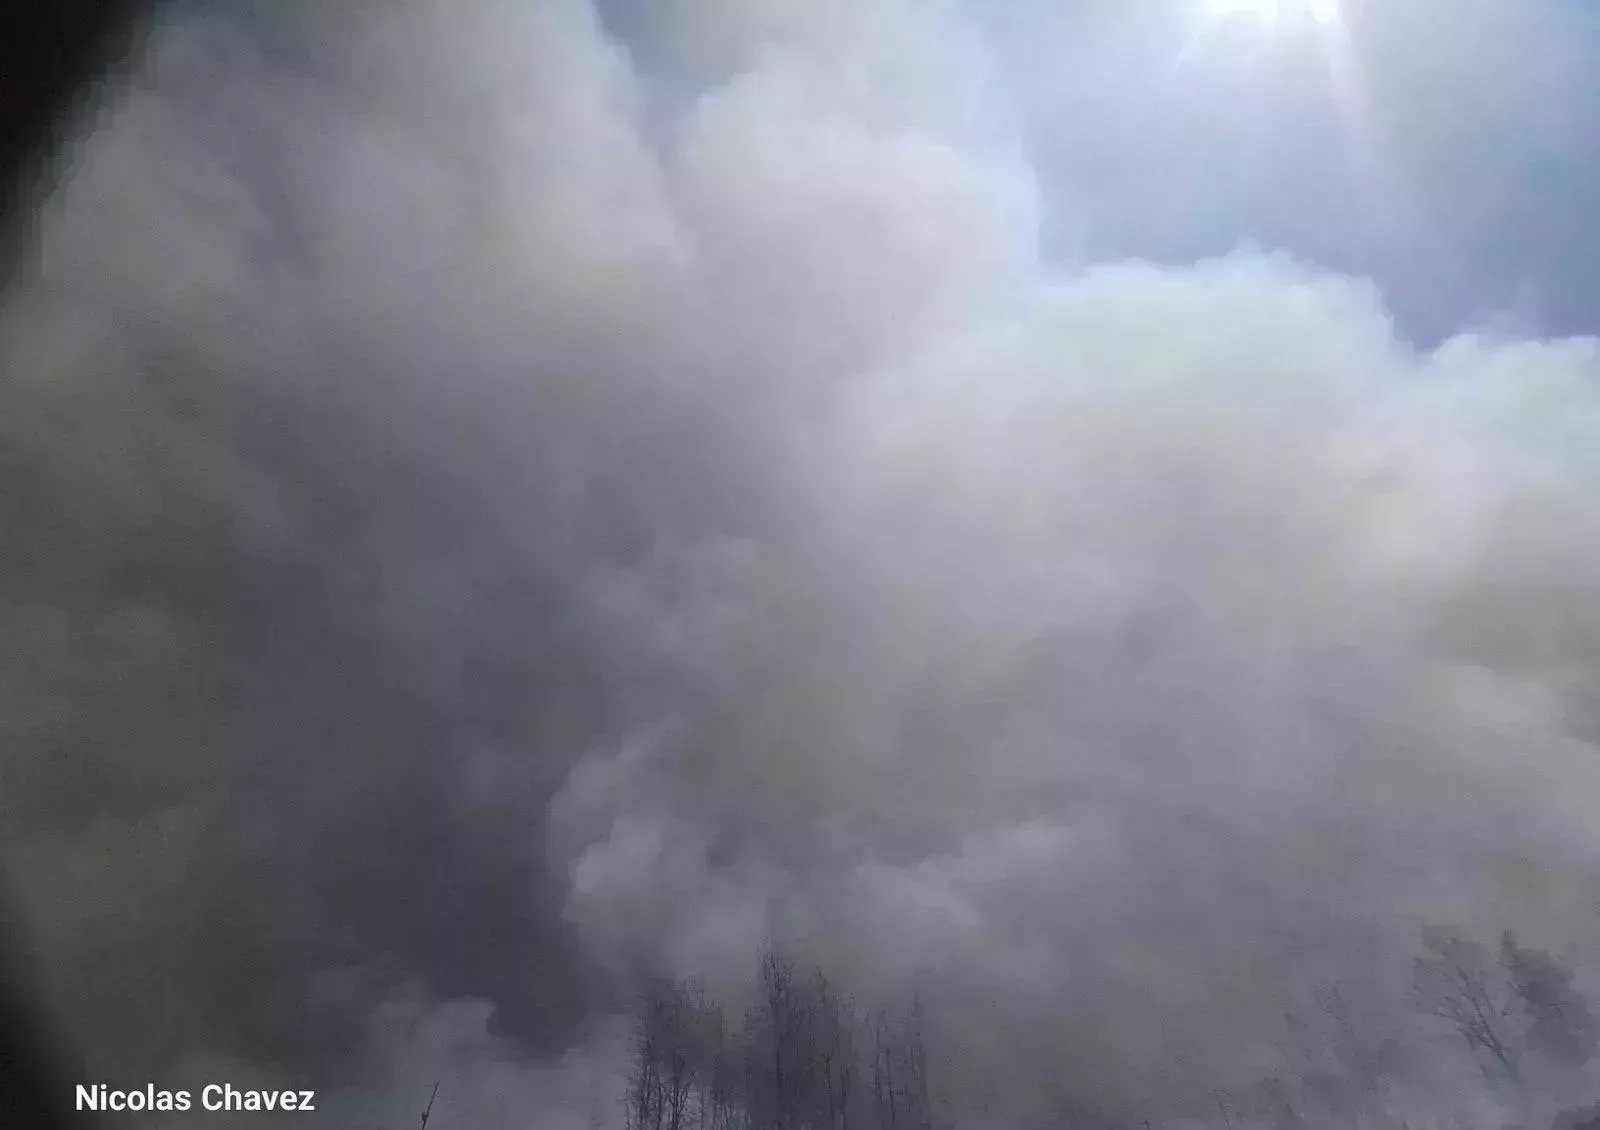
1323	12
1244	7
1326	12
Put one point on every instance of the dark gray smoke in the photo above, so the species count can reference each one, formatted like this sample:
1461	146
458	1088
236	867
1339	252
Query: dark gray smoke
489	513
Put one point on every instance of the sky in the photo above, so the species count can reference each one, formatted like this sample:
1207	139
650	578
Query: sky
1439	148
1435	147
1088	513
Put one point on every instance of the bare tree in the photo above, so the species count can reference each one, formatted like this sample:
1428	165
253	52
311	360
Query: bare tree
1457	981
832	1053
678	1077
797	1062
773	1032
899	1071
427	1111
644	1086
885	1085
1561	1027
914	1056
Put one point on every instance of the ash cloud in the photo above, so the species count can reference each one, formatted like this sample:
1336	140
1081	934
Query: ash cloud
500	500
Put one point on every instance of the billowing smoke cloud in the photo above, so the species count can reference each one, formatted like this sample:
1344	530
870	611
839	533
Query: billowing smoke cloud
498	501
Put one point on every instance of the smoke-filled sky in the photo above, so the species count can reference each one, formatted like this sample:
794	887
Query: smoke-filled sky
1077	510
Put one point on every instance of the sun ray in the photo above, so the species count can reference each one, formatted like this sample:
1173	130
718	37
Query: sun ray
1324	13
1244	7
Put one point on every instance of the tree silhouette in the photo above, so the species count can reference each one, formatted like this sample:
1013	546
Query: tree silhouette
1458	981
804	1057
1561	1027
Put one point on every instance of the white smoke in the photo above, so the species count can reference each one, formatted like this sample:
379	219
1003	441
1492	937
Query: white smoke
526	511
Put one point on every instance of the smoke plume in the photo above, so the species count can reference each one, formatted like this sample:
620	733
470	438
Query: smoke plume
502	500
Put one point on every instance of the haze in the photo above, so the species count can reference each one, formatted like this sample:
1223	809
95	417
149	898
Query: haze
1080	516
